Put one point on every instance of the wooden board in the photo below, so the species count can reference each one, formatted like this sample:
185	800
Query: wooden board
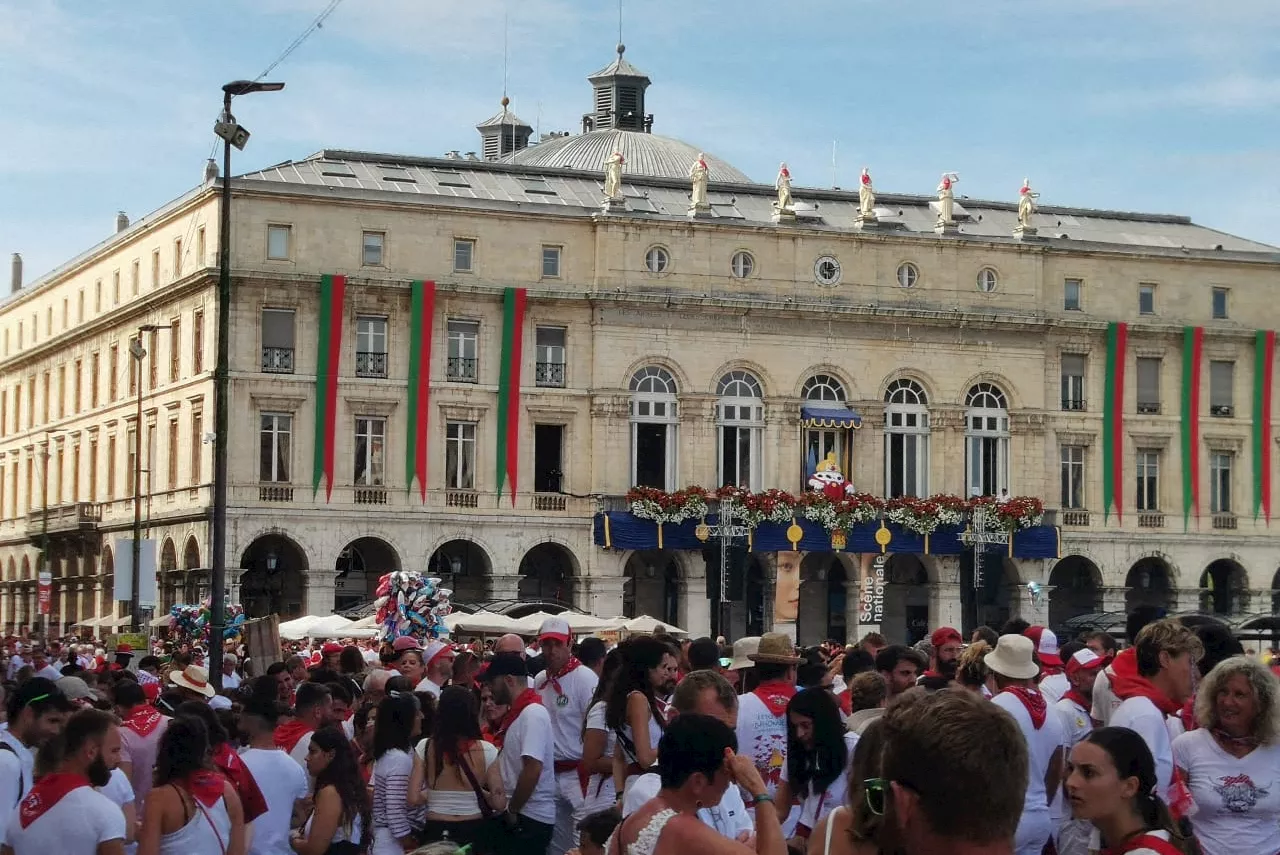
261	642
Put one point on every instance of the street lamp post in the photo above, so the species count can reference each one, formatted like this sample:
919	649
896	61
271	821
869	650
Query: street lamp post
231	134
139	353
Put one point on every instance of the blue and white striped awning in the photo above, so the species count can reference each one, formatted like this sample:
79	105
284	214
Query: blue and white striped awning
829	417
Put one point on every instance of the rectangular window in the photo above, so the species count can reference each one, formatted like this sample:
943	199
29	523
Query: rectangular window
278	240
275	434
549	344
66	313
1220	304
155	268
463	255
460	456
97	304
75	471
197	446
45	394
464	342
1221	380
1220	464
79	310
1146	299
172	472
153	364
197	342
133	367
1148	384
77	370
111	468
31	493
551	262
115	288
58	470
371	435
371	346
1072	295
277	341
200	248
371	246
135	277
93	469
95	370
548	458
654	424
62	391
175	350
4	413
31	401
1072	477
130	460
1073	368
177	258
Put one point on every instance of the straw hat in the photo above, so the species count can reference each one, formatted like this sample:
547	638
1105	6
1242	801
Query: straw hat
194	679
775	648
1013	658
743	649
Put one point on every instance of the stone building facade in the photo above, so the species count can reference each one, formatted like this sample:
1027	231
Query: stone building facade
660	347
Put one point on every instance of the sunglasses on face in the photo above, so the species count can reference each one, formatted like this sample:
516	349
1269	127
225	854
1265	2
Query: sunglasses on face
874	790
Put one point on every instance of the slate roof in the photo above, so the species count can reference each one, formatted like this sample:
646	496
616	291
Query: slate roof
646	154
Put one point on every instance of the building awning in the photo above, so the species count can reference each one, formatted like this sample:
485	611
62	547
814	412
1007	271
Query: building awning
829	417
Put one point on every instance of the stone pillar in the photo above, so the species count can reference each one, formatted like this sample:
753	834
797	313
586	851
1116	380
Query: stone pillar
504	587
317	599
604	595
851	592
1185	600
1113	599
944	605
695	607
1034	611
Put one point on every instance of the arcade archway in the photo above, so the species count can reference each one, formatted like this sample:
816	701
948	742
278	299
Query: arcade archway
547	573
1150	583
990	601
1224	587
1075	589
822	599
465	568
651	586
274	577
360	565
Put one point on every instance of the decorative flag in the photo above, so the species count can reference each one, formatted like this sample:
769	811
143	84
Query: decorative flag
1263	361
328	355
513	303
1192	344
1113	422
422	309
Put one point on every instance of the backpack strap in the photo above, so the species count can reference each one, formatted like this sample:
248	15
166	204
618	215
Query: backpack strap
22	784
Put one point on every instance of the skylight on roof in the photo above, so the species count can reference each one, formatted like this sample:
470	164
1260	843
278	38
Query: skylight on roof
449	178
336	169
537	187
397	174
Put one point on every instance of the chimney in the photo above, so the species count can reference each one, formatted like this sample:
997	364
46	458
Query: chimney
122	221
210	170
15	281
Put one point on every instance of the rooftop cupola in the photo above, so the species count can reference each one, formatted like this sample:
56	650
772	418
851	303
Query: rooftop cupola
619	98
504	133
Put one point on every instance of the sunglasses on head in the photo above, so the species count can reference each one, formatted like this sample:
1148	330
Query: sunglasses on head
876	793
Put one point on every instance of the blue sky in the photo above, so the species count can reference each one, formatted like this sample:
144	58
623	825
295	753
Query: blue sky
1154	105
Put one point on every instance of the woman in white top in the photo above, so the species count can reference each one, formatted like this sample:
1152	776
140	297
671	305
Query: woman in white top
598	744
398	724
1232	763
634	709
341	821
192	809
818	754
441	781
1111	782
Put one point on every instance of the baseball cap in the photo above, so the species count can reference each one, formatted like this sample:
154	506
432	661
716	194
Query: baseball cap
1046	642
1084	660
944	634
76	689
405	642
556	629
434	650
330	647
506	665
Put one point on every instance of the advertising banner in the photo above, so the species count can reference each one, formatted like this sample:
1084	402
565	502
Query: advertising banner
871	578
45	592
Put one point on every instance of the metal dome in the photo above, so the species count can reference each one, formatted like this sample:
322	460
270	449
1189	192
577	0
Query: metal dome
646	154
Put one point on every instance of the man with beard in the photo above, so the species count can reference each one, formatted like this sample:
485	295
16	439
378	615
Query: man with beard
762	713
63	813
37	712
947	643
900	667
312	710
526	756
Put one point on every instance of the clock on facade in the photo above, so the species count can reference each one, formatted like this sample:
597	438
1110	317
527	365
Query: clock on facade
826	271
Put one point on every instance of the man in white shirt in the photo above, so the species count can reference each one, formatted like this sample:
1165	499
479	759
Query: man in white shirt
282	781
312	710
63	813
16	662
44	668
702	693
230	679
566	688
437	659
1073	708
762	713
526	758
37	712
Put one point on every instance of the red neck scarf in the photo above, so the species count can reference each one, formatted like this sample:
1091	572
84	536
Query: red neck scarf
775	694
554	679
205	787
288	734
1077	699
143	720
1127	683
1143	841
1050	670
1033	701
527	698
47	792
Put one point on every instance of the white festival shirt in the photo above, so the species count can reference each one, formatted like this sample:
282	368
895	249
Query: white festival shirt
530	736
80	820
568	711
1142	716
814	807
282	783
1237	798
1036	823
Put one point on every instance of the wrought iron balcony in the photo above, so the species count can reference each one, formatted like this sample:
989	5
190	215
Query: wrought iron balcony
462	369
277	360
64	519
371	364
549	374
1073	404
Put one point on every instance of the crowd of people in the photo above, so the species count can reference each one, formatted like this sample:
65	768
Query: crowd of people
1005	743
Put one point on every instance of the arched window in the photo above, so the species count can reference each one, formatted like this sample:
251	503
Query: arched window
987	441
823	387
740	423
906	447
654	421
822	437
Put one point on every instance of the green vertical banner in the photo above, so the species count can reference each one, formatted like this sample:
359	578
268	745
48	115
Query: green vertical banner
422	309
1113	422
1192	345
328	356
1264	357
513	306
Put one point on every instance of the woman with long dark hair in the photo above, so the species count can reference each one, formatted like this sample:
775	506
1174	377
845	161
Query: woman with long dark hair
342	822
818	754
192	809
398	724
598	742
1111	782
853	828
457	777
636	709
226	760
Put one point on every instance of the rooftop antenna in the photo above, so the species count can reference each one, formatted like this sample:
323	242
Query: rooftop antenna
505	99
835	181
619	22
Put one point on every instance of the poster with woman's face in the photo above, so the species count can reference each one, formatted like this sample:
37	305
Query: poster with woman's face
786	603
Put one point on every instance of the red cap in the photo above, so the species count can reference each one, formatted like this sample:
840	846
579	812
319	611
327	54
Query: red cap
1046	642
151	691
406	642
330	647
123	648
945	634
1084	660
555	628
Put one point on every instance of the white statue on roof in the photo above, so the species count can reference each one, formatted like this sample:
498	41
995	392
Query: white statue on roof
783	186
1026	204
699	174
947	199
613	175
866	196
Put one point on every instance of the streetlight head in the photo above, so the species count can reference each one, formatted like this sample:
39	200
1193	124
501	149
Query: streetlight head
245	87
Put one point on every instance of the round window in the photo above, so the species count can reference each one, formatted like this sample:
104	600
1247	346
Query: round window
908	275
656	259
742	264
988	279
826	270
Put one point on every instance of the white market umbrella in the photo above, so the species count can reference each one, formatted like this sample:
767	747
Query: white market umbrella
370	622
584	624
297	628
480	623
330	626
530	624
644	623
163	620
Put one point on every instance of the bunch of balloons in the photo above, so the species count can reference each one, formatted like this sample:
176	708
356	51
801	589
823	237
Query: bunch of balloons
412	603
191	622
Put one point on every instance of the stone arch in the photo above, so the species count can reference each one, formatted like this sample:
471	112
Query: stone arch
466	567
26	568
274	578
359	566
11	570
1224	587
768	386
906	597
1000	381
651	585
548	571
1075	589
1150	581
168	556
836	373
683	383
992	602
915	376
191	554
821	605
309	558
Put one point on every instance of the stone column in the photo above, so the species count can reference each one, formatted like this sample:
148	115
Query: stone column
504	587
851	592
318	597
695	607
1034	612
1254	602
944	605
1113	599
604	595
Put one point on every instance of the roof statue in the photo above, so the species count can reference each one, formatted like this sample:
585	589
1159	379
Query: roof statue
699	174
613	176
1026	206
947	200
783	186
866	198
